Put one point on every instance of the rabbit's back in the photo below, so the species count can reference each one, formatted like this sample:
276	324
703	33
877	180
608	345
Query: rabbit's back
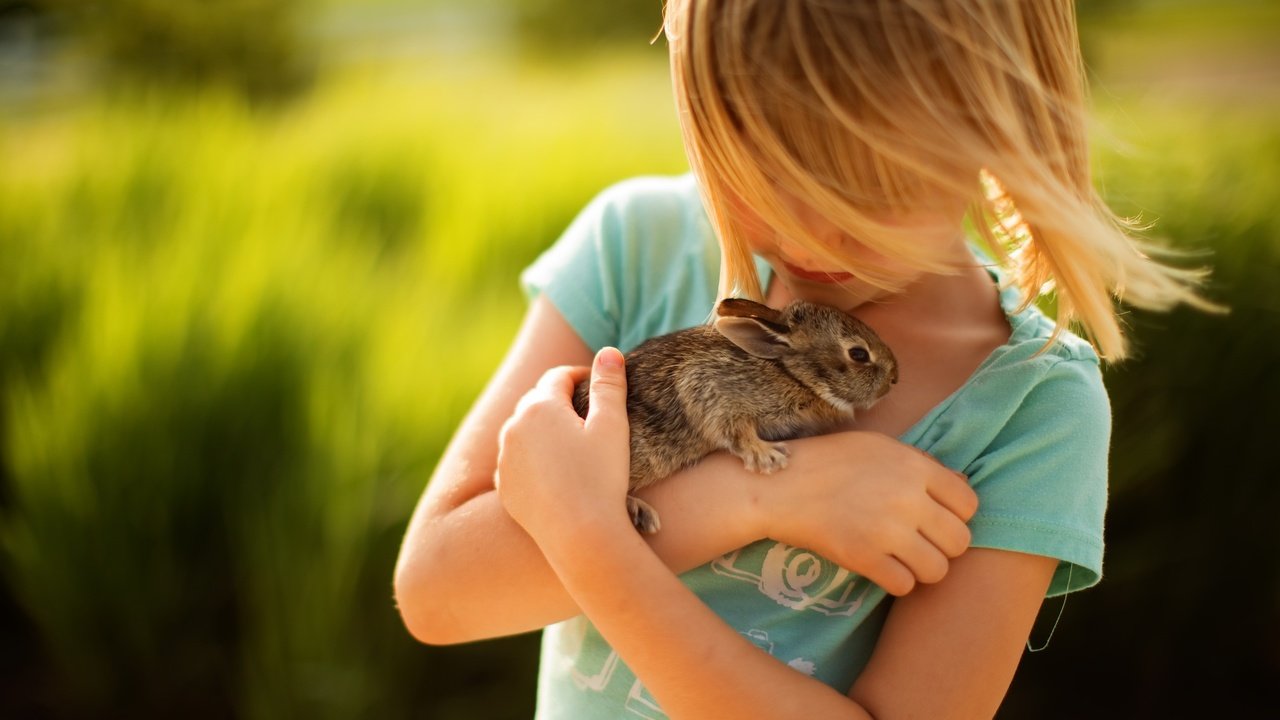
664	438
689	390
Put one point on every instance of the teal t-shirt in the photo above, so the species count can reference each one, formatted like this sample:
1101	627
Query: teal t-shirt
1030	428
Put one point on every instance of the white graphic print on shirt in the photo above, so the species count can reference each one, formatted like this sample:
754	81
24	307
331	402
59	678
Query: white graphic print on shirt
792	577
798	579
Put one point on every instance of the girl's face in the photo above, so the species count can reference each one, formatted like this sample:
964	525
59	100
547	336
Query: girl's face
807	276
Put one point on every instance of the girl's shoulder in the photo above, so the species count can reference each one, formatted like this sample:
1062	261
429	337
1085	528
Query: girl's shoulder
642	226
652	207
674	192
1033	334
639	260
1039	357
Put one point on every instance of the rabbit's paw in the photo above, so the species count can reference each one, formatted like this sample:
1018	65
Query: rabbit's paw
765	457
643	516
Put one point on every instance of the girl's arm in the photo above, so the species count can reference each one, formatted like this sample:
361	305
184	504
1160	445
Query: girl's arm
947	651
463	557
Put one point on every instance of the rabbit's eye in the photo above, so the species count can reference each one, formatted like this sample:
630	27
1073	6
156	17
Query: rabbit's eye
859	355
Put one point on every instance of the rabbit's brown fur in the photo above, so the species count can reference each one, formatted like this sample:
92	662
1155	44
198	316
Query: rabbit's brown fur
757	377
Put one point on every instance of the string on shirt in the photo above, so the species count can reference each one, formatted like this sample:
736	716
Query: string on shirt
1063	606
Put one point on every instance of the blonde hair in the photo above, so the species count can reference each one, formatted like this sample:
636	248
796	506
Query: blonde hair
867	108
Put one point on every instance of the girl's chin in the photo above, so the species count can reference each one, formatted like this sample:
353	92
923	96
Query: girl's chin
817	277
846	295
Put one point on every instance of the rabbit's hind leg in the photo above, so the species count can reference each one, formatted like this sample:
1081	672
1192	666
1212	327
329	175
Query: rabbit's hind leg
643	516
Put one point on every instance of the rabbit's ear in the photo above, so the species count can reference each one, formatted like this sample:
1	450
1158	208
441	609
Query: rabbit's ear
755	336
755	328
738	307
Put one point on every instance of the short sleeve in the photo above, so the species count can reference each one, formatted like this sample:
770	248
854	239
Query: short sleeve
578	273
640	260
1042	482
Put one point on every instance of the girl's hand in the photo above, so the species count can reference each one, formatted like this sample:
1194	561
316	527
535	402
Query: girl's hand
871	504
557	472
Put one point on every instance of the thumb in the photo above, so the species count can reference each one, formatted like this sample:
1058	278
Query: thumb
608	391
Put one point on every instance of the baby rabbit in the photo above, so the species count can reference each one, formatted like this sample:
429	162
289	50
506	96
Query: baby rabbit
755	378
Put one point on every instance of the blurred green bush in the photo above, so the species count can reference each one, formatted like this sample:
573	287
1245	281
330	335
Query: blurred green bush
255	47
568	28
232	345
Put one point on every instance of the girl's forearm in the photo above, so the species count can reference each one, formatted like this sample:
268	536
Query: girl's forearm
460	568
638	604
464	557
459	571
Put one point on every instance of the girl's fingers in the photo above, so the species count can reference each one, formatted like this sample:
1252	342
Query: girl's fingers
553	391
608	391
951	489
946	532
560	381
889	573
923	559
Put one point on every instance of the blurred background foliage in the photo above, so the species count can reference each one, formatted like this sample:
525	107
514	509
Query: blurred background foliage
257	257
253	46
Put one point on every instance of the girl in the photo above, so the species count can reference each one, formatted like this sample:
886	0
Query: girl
840	150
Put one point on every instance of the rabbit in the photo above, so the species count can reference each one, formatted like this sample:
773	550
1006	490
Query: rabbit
748	381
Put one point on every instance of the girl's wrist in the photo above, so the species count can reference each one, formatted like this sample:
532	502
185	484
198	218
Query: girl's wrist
748	497
791	494
772	499
760	503
584	533
581	555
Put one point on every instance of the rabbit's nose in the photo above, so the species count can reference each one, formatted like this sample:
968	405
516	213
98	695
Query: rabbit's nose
893	375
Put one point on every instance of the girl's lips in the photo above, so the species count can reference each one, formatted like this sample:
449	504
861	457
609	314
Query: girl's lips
817	276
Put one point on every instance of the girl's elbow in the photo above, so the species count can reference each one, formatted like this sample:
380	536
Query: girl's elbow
425	614
426	629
